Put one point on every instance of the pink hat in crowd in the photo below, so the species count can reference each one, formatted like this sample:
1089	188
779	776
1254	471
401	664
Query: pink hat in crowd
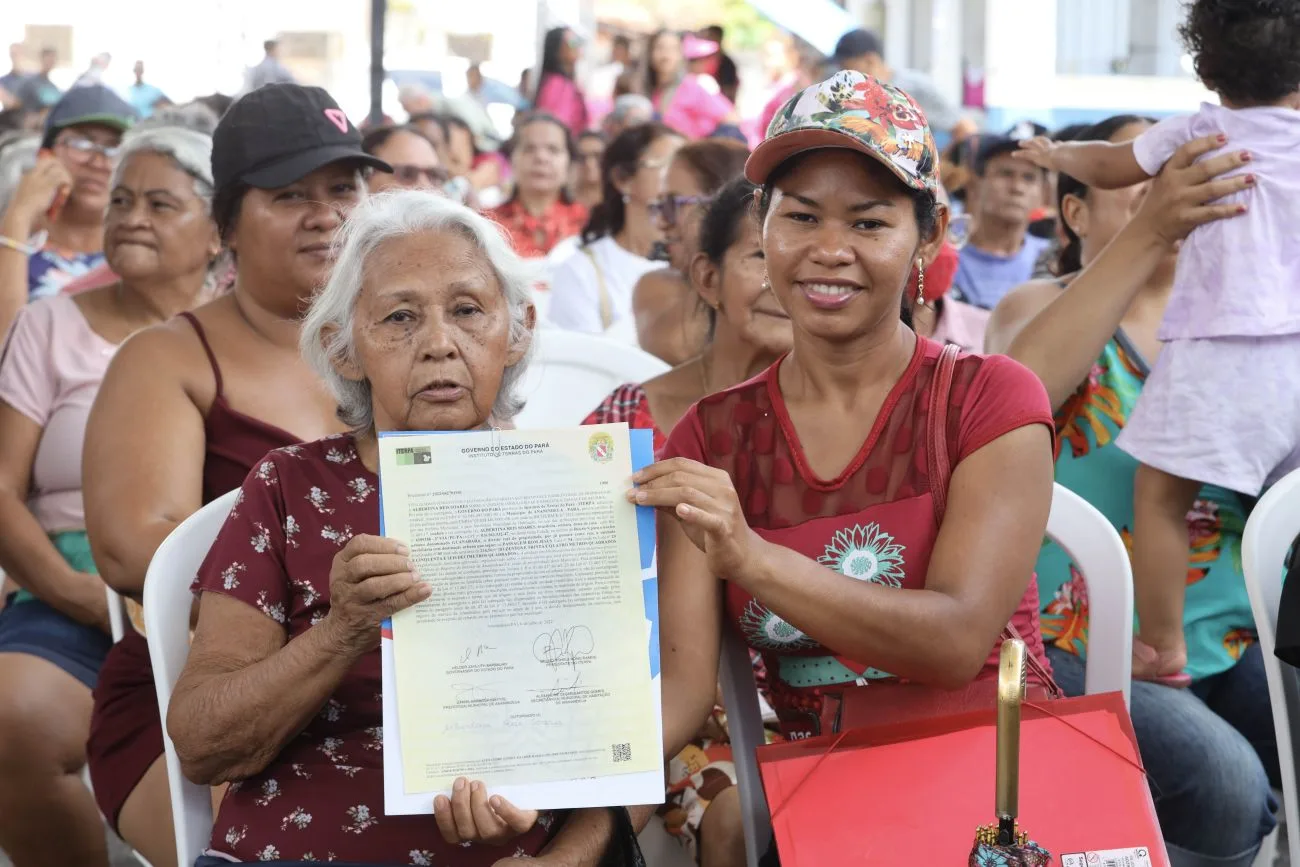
695	48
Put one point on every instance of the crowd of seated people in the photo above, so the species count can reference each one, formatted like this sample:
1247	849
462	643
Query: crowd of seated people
250	336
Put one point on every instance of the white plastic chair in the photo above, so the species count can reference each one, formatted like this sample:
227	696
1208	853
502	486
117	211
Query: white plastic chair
1096	549
116	613
573	372
167	601
1270	532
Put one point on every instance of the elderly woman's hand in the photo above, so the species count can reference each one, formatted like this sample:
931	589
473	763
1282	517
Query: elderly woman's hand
704	501
371	579
470	816
1186	194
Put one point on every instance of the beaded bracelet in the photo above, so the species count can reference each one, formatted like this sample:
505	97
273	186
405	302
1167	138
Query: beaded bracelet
25	249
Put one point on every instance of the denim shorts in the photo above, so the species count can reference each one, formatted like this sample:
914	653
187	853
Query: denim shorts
32	627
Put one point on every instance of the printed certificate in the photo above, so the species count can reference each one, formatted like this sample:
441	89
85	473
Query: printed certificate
528	663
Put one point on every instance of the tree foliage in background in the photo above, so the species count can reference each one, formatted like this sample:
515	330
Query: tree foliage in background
747	29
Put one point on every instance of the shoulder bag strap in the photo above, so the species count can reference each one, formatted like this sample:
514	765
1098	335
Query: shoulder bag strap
936	430
602	292
940	465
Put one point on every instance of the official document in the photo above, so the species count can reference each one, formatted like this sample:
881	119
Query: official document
528	663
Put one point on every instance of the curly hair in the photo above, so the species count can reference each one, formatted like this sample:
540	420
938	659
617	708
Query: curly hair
1247	51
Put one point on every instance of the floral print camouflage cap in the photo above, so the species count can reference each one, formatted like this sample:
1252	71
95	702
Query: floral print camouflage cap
854	111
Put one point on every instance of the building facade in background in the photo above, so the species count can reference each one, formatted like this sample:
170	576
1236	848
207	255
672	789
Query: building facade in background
1051	61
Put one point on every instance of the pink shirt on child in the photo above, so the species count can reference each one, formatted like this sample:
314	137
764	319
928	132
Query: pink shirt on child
50	372
1237	277
695	108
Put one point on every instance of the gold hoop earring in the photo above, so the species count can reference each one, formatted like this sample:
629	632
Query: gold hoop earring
920	283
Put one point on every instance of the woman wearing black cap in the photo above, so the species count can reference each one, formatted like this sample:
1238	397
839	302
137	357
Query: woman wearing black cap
188	407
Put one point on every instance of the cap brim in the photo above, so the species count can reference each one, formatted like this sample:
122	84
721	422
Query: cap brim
771	152
114	121
294	168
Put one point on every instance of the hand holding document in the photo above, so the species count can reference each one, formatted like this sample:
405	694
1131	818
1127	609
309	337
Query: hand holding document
527	666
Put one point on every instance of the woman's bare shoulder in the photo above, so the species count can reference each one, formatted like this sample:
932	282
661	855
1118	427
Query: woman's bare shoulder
172	349
1017	308
1034	294
659	282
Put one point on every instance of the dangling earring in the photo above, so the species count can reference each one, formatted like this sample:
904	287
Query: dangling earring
920	283
767	283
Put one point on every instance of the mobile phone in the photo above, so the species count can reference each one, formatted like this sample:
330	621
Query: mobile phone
60	197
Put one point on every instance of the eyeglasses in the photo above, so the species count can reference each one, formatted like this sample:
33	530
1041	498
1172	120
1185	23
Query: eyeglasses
84	150
669	208
434	176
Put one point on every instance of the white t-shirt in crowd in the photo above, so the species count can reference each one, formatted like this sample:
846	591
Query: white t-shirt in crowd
576	286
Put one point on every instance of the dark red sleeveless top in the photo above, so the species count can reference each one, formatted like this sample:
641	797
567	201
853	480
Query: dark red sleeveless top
235	441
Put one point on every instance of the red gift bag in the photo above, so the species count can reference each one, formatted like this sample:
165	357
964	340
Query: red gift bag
914	792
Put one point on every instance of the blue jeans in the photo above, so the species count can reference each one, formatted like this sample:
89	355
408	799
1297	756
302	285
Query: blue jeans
1210	754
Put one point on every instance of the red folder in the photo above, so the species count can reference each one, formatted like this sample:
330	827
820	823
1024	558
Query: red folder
914	793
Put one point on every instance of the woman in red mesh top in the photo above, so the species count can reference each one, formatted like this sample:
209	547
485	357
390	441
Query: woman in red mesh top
810	510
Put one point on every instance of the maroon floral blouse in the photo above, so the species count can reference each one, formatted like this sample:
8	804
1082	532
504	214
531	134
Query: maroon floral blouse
322	798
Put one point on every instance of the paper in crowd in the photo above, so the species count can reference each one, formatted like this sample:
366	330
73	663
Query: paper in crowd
533	666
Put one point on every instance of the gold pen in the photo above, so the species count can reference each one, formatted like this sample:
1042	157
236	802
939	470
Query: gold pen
1005	837
1011	695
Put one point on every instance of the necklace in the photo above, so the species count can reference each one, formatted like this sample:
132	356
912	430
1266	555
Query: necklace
704	374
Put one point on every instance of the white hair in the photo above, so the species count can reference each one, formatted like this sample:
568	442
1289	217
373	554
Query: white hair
327	329
191	152
629	103
193	115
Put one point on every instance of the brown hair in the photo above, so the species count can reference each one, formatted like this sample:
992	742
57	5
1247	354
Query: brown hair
714	161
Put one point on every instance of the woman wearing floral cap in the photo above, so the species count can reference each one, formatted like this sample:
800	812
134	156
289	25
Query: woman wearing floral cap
868	509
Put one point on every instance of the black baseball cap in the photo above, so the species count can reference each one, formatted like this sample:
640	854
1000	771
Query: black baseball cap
858	42
991	147
279	134
88	104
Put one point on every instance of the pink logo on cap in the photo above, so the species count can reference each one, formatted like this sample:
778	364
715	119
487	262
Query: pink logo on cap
338	118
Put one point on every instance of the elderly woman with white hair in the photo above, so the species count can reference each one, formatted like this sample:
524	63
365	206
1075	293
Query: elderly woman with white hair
159	238
424	324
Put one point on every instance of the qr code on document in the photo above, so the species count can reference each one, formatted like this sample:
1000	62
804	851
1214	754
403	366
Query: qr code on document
622	752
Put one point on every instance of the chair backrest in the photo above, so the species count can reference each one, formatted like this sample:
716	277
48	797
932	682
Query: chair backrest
116	614
1270	531
1096	548
572	373
745	725
167	601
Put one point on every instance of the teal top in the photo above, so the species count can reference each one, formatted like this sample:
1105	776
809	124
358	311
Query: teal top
74	545
1217	619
